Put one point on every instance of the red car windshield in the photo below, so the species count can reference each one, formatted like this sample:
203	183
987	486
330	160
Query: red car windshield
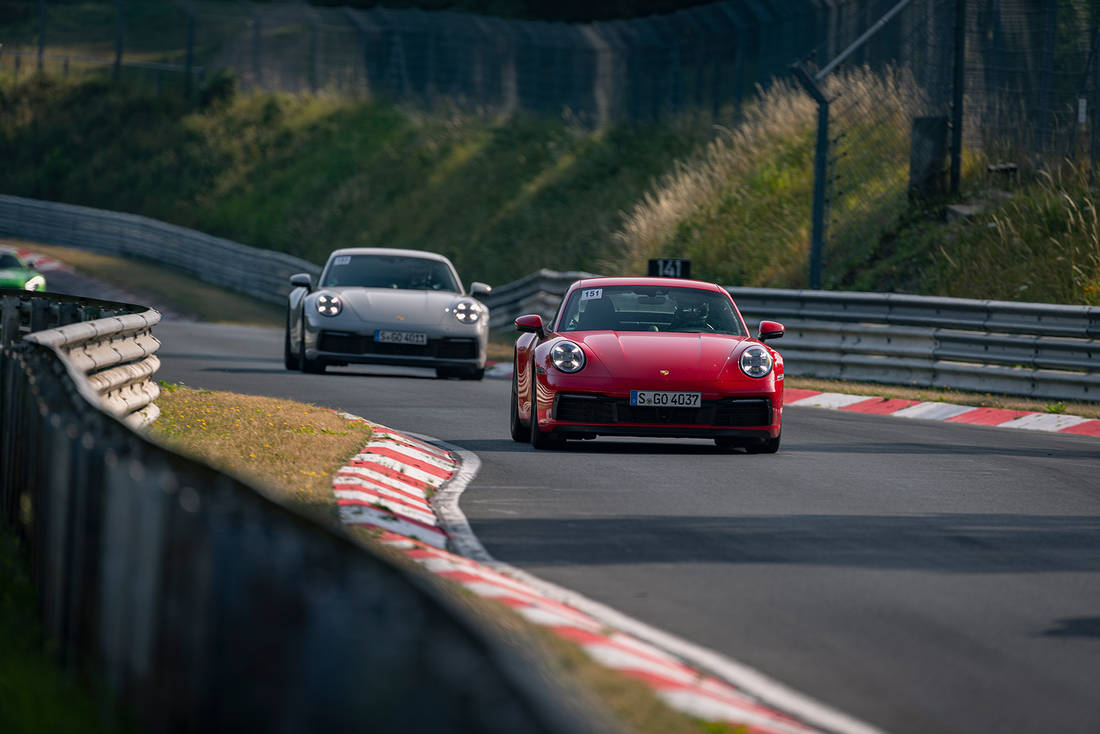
650	308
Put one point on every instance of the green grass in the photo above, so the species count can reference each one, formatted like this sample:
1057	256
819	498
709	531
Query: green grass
305	175
37	695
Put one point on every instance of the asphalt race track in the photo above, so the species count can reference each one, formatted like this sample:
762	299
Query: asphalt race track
920	576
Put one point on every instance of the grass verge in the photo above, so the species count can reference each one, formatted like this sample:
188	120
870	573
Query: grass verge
292	449
158	284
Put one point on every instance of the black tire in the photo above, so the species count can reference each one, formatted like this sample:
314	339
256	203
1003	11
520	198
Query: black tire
539	440
309	366
520	433
764	446
445	373
290	359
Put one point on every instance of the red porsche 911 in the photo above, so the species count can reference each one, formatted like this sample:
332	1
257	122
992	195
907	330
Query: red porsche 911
656	357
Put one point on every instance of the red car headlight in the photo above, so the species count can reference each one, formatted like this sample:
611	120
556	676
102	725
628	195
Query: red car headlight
567	357
756	361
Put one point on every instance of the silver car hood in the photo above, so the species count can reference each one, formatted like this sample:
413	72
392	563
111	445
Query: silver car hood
399	307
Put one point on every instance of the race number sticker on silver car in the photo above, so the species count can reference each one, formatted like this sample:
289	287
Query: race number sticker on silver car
666	399
591	294
418	338
342	260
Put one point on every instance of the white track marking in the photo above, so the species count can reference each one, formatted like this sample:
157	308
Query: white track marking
933	411
828	400
1044	422
749	680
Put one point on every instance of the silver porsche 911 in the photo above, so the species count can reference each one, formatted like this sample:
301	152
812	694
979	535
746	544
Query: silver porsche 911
376	305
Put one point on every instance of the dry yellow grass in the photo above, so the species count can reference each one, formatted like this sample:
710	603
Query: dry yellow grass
290	448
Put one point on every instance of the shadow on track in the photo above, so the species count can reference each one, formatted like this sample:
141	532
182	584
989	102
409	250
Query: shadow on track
947	543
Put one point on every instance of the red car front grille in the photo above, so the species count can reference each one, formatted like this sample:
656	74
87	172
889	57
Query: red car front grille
601	410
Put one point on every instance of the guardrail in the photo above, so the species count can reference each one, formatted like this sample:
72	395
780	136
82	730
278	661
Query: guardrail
262	274
539	293
109	347
205	606
1032	349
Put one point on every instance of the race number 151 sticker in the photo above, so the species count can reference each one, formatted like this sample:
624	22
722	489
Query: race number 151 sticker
591	294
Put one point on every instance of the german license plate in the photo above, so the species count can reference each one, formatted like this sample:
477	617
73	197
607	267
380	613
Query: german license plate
666	399
401	337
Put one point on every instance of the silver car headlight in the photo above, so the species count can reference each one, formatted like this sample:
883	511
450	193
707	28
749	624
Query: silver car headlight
567	357
756	361
467	312
34	283
329	304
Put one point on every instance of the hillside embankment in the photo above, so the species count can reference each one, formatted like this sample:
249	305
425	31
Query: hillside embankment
306	174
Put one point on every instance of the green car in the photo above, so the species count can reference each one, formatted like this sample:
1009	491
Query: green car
14	274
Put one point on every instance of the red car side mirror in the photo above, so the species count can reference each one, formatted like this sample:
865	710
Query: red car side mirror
531	323
770	330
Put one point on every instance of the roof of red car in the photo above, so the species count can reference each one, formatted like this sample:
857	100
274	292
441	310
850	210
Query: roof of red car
643	280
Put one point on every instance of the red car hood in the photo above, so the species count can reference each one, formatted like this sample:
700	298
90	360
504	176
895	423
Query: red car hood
642	355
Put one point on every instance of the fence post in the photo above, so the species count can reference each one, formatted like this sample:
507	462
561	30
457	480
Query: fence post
1094	143
821	164
1046	77
118	39
958	91
41	37
190	62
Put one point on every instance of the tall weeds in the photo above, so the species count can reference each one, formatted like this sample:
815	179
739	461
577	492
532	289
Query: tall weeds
781	114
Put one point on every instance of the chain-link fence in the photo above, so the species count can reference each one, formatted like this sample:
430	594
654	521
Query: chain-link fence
696	65
936	91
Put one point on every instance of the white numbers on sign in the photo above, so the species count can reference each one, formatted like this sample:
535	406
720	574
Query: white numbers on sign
342	260
669	268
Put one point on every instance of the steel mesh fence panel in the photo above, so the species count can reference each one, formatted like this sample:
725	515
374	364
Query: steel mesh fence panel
1014	80
889	125
1030	79
698	65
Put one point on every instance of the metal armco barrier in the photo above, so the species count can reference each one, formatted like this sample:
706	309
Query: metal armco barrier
262	274
1032	349
539	293
206	607
109	347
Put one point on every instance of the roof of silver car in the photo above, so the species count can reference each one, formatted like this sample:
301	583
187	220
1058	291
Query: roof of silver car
389	251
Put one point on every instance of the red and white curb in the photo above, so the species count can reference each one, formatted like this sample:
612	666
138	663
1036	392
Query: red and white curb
948	412
387	486
935	411
41	263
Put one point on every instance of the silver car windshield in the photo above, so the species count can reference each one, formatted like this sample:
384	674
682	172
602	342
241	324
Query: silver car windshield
390	271
650	308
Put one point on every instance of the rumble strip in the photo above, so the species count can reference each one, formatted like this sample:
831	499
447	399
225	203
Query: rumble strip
387	486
